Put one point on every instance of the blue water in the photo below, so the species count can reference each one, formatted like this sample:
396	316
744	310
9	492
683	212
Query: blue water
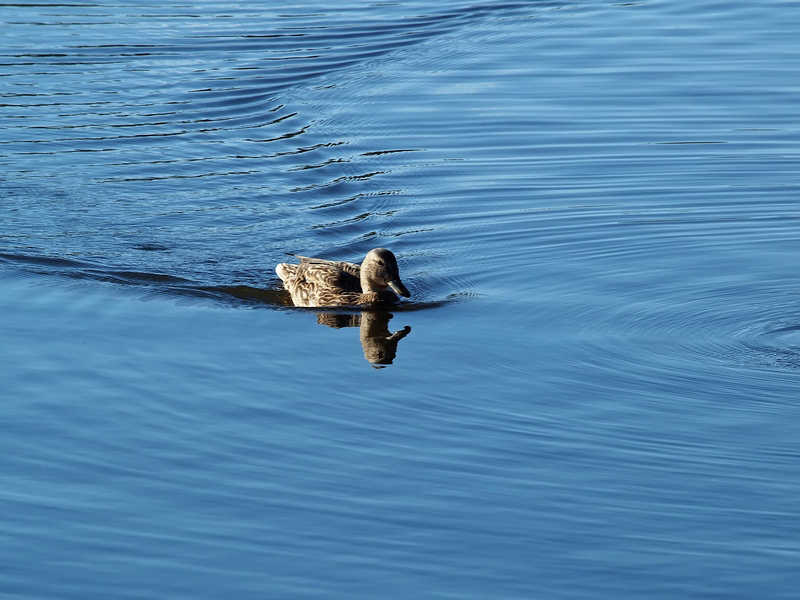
594	204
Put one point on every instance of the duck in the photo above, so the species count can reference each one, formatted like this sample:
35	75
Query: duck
317	282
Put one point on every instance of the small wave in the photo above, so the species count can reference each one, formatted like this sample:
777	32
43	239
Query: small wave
773	344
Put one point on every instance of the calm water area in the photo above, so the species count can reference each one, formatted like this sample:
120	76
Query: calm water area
594	391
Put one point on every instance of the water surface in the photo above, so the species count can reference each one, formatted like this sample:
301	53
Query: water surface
594	394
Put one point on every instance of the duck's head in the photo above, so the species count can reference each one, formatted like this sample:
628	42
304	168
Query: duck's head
379	272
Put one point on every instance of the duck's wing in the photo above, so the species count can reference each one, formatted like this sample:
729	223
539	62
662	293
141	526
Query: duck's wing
346	267
330	275
317	282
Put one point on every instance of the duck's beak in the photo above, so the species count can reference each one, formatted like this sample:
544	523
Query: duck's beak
399	289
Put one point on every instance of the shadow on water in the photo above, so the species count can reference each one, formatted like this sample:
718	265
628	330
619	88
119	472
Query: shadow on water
378	342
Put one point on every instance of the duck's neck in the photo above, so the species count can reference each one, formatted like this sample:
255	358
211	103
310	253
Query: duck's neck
369	286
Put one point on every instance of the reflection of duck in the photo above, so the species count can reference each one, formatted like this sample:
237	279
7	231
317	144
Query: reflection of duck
318	282
379	344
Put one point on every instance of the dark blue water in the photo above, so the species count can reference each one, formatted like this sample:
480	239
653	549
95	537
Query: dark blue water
594	204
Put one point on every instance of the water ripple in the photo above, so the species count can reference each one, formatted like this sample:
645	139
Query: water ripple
594	205
226	141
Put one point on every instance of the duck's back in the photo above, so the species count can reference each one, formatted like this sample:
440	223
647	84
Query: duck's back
317	282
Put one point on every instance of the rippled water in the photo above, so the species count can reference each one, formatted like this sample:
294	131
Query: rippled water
591	394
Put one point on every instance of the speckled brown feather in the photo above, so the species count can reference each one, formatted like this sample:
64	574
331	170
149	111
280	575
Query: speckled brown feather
317	282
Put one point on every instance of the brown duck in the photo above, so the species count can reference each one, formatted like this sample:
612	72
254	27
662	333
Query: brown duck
319	282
